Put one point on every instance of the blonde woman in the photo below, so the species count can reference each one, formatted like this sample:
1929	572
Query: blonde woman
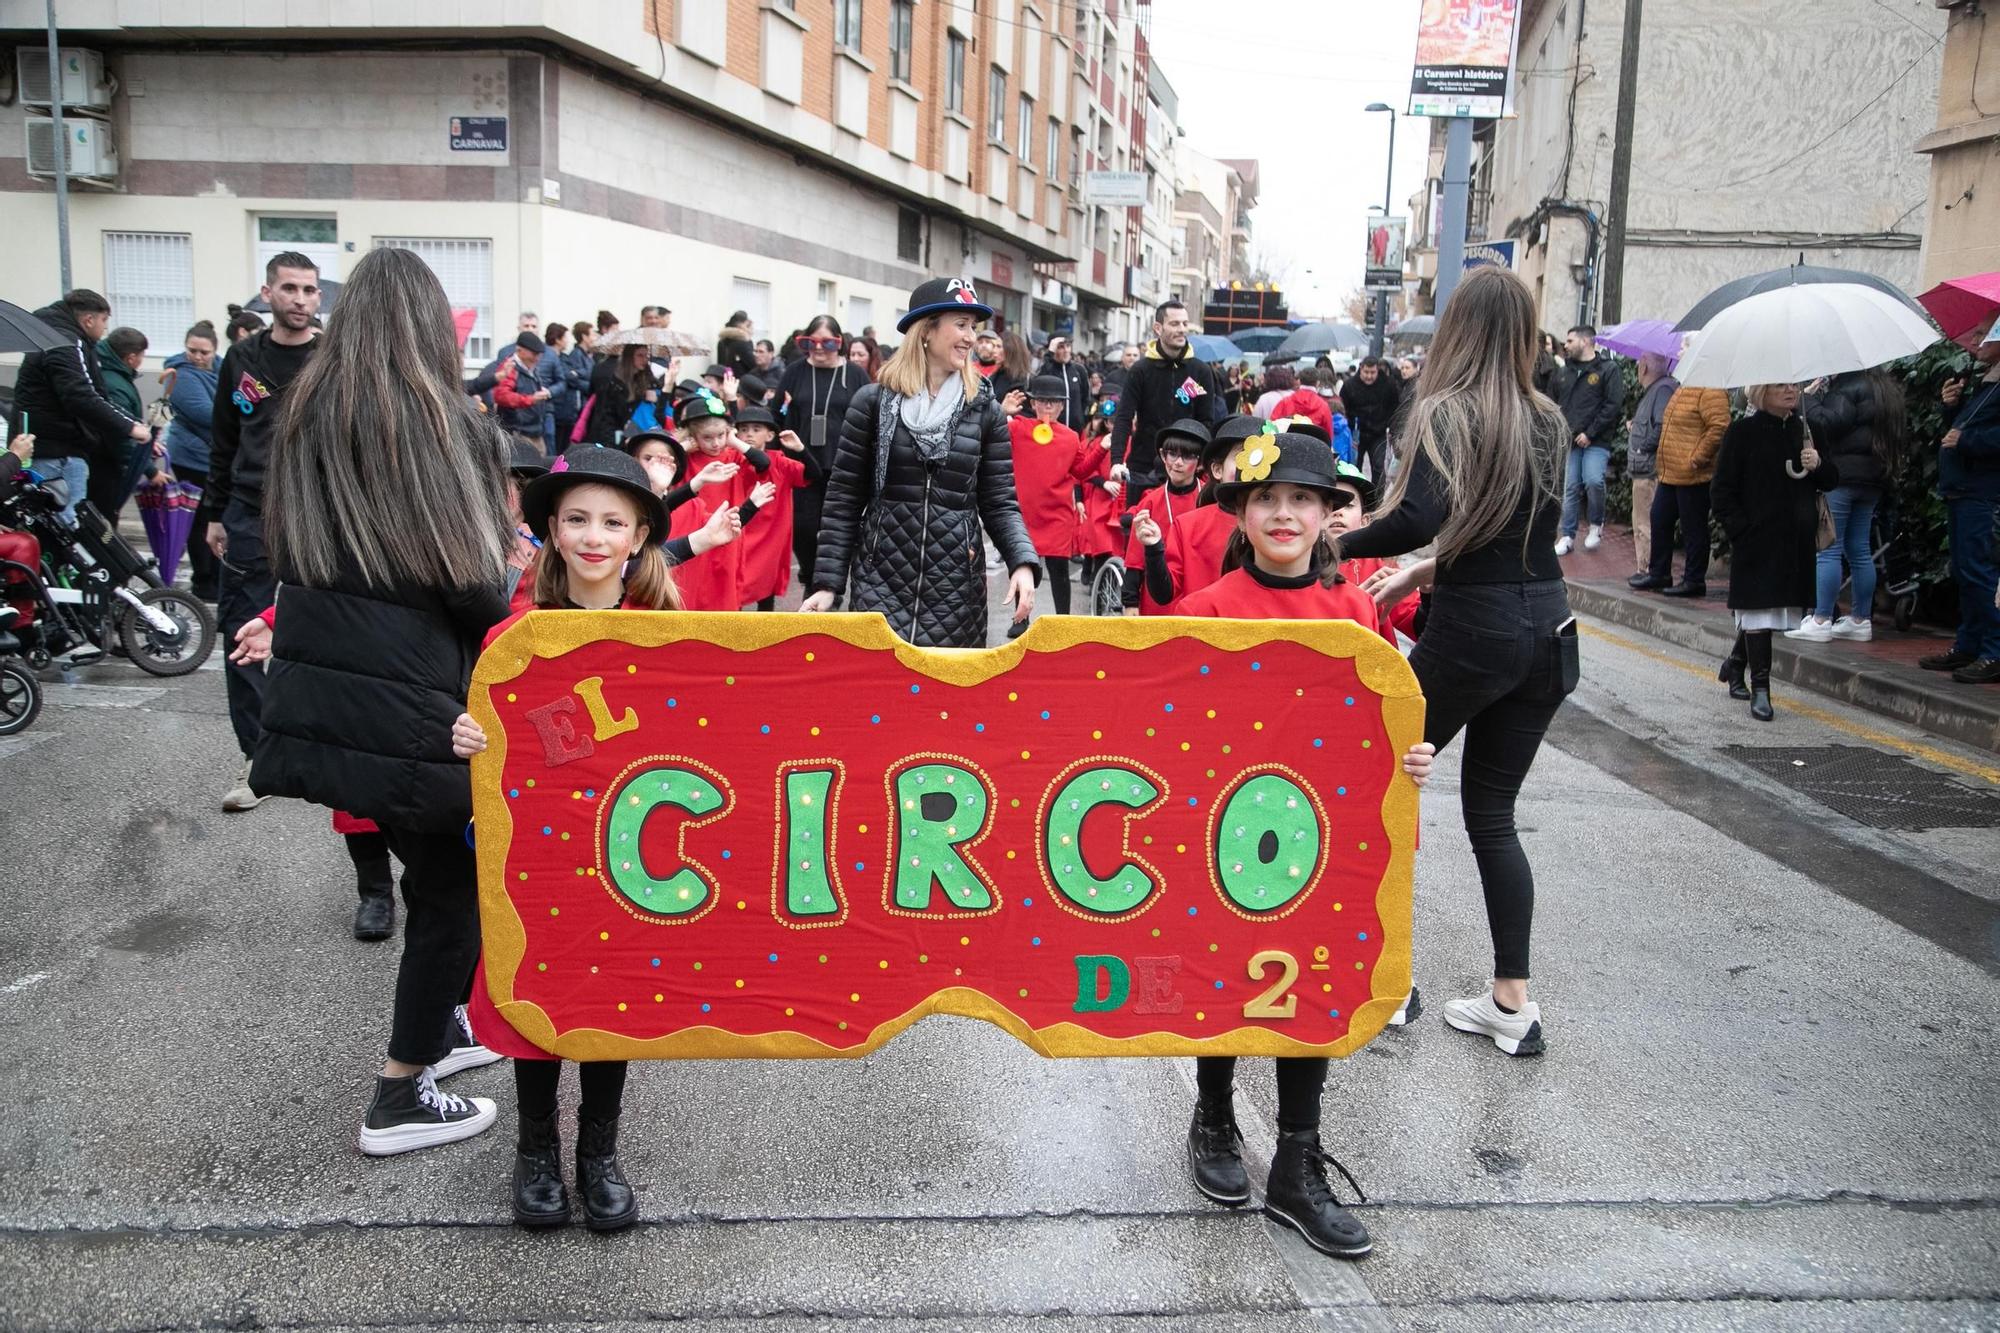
925	461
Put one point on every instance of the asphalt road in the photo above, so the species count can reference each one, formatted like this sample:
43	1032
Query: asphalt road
1768	1101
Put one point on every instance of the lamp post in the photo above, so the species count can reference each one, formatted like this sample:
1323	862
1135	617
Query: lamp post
1380	333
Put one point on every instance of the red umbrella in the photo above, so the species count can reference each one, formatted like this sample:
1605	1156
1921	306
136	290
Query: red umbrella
463	318
1963	306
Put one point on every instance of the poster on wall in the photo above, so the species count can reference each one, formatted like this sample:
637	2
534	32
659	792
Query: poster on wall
1384	262
1465	58
710	836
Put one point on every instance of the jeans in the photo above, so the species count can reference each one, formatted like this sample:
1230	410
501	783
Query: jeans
245	588
1584	477
440	942
1971	535
1687	506
1642	521
1495	661
1853	510
75	474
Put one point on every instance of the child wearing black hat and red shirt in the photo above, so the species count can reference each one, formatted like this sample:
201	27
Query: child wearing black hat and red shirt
1157	516
1100	535
1283	566
598	520
767	547
1049	464
716	583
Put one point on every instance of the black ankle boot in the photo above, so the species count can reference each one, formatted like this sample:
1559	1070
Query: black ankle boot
539	1197
1215	1155
375	916
608	1203
1732	669
1759	645
1298	1195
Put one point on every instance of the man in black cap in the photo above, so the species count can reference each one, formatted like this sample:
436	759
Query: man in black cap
1059	363
516	406
1168	384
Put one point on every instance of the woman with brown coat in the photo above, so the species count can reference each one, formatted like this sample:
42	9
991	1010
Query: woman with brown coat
1690	437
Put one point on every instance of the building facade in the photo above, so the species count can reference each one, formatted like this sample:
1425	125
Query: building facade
782	157
1962	221
1210	250
1815	114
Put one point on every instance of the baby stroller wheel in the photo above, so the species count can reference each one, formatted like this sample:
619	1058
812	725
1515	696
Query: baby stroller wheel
1905	610
169	652
20	697
1107	589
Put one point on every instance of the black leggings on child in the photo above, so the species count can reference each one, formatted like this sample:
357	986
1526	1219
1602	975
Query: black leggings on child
1300	1081
1057	568
602	1083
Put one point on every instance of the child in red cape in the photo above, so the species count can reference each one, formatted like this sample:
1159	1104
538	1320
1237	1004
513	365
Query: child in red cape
717	583
767	546
1282	567
1181	446
595	513
1049	463
1099	533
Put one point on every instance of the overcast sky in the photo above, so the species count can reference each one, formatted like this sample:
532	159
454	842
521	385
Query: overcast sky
1285	81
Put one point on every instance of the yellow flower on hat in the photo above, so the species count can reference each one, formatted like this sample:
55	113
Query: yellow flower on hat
1256	458
1042	433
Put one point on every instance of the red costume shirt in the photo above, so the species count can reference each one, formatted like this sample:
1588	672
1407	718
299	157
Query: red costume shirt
1049	461
1172	509
1100	532
1243	594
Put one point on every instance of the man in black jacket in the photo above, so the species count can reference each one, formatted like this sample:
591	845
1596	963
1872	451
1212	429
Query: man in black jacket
1059	363
1168	384
1591	393
1371	397
253	377
59	396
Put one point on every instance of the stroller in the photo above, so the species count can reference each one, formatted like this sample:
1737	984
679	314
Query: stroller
20	690
91	590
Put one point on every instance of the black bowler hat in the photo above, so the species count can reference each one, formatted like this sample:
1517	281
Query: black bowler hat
526	461
1187	428
1264	460
1048	389
944	296
593	464
1232	432
756	416
700	406
1303	426
639	439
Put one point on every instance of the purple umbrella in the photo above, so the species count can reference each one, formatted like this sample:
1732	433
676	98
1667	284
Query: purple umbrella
1636	337
167	508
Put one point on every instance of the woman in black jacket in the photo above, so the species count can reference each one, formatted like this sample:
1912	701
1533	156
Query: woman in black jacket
619	384
1765	495
386	517
924	460
816	391
1858	423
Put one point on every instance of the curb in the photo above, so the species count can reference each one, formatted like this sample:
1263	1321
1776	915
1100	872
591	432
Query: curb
1969	714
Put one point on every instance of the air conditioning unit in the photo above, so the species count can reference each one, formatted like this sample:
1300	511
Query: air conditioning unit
90	152
84	86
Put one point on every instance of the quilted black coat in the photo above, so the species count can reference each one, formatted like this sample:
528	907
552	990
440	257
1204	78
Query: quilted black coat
907	535
1770	515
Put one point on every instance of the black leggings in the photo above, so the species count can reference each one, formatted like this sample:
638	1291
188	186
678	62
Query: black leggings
602	1083
1492	666
1057	569
1300	1081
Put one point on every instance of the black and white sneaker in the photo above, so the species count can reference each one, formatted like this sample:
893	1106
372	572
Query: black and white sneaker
466	1052
1516	1034
410	1113
1412	1008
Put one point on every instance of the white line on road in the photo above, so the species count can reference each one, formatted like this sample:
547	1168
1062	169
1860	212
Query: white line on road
28	982
13	745
101	696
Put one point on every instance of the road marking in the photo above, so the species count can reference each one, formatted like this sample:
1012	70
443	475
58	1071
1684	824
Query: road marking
13	745
28	982
101	696
1916	749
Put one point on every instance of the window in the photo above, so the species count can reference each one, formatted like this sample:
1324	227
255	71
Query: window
902	29
996	104
1054	147
954	83
1024	132
753	298
860	314
827	295
909	236
465	269
318	239
847	23
149	280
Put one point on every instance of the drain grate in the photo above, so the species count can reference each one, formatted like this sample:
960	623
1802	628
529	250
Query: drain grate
1879	790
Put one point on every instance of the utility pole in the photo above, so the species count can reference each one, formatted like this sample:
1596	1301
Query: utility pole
1380	334
1456	205
1611	308
59	138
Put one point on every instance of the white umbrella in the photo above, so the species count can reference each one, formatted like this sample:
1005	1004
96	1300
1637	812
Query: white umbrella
1793	334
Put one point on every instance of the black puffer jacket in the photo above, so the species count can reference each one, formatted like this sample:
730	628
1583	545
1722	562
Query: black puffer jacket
1845	429
909	534
364	684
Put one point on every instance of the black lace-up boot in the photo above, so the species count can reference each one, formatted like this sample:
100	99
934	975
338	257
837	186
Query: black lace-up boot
608	1202
539	1197
1298	1195
1215	1154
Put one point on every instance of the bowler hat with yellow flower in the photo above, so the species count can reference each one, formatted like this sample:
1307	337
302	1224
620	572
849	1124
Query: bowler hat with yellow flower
1266	460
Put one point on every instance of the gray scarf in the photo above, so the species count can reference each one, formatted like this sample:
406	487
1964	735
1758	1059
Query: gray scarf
931	418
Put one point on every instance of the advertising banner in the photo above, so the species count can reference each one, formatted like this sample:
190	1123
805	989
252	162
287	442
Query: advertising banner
1465	58
1384	262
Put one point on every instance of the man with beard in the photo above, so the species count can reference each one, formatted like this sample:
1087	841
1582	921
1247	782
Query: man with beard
1168	384
253	378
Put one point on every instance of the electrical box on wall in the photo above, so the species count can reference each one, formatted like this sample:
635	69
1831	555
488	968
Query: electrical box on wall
84	87
91	153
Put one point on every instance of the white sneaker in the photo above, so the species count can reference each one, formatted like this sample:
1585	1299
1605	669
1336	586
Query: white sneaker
1860	631
466	1052
240	797
1564	545
1413	1005
410	1113
1812	629
1594	538
1516	1034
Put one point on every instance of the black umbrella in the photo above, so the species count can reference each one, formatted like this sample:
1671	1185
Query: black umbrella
22	332
1730	293
329	292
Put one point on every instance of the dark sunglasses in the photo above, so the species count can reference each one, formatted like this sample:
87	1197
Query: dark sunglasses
817	344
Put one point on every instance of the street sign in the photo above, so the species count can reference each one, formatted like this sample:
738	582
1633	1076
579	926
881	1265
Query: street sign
1115	189
1465	58
706	835
1490	254
478	134
1384	263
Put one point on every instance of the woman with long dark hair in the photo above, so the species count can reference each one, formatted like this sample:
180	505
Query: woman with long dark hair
386	515
621	383
815	391
1861	423
925	461
1481	476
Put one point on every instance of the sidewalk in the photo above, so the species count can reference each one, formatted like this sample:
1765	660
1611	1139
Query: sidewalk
1881	676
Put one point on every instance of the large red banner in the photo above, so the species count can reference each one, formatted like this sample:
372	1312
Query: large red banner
716	835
